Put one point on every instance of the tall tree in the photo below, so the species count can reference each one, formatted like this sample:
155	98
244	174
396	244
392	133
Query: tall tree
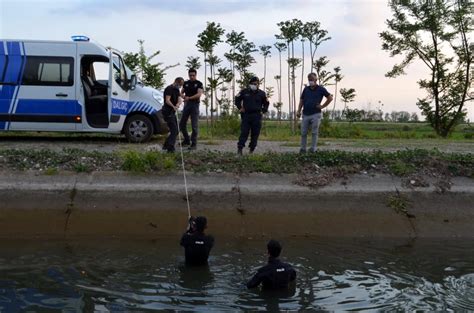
193	62
289	32
280	46
207	41
152	74
234	40
244	60
266	52
347	95
337	78
315	35
324	77
438	33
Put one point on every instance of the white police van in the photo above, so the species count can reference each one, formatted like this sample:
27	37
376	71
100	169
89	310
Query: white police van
75	86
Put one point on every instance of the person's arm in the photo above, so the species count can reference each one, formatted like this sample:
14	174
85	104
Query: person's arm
238	102
255	281
300	105
196	96
168	102
328	100
292	274
266	103
183	240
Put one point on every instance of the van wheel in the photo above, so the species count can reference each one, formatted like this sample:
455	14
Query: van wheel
138	128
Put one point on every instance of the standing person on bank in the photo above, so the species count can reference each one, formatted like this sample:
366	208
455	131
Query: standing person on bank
252	103
172	102
191	93
310	101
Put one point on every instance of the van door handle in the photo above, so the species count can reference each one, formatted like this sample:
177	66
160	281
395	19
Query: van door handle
61	95
115	93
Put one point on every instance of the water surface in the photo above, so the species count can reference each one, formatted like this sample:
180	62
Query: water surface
117	275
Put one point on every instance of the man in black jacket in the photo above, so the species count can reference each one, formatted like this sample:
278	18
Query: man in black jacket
197	245
172	103
276	274
251	102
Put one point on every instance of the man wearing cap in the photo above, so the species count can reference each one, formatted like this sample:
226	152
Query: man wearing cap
252	103
310	102
276	274
197	245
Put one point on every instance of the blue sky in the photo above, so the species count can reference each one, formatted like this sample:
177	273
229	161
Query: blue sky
172	27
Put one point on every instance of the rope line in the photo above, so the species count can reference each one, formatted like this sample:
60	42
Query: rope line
182	165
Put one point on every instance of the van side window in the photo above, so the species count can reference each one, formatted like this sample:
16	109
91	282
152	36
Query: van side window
48	71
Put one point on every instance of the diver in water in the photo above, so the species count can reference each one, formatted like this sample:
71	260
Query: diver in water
276	274
196	243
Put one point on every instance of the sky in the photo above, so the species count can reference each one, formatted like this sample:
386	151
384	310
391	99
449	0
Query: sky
173	26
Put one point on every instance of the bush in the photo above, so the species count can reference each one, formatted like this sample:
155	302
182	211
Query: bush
149	161
227	125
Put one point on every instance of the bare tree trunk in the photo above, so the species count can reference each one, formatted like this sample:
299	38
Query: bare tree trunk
264	73
334	104
302	66
290	107
233	81
212	94
293	85
205	91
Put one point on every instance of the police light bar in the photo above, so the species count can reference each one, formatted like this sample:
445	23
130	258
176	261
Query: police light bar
80	38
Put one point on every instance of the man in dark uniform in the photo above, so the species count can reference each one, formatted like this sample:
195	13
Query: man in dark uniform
276	274
172	102
191	94
251	102
197	245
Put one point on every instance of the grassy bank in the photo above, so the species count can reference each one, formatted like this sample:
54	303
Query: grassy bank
331	164
281	130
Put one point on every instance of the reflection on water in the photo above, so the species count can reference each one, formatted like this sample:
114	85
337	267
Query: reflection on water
110	276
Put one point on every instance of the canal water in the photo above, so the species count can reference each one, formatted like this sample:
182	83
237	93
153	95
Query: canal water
142	275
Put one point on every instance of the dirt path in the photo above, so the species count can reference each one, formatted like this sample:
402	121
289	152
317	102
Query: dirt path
116	143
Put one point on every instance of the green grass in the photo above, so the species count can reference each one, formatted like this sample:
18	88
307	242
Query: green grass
281	131
399	163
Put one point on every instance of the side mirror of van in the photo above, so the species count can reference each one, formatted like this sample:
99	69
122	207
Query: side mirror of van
133	82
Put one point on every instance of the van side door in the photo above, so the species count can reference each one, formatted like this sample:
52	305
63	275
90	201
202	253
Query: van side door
47	95
118	93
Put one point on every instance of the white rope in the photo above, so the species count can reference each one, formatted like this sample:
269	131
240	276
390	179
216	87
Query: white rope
182	164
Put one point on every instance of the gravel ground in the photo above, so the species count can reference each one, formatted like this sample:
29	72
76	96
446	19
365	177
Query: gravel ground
116	143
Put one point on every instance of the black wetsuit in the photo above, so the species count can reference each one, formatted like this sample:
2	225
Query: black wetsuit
274	275
196	247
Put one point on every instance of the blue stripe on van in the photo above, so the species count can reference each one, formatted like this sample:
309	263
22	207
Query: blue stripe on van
15	61
3	60
12	76
50	107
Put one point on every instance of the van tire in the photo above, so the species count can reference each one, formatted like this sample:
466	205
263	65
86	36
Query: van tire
138	128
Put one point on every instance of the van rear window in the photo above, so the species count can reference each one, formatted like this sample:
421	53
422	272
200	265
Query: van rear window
48	71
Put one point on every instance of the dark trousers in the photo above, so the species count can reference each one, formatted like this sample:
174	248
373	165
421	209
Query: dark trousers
250	123
173	126
190	109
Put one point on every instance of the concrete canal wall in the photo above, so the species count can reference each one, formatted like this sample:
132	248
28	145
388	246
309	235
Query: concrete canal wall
126	205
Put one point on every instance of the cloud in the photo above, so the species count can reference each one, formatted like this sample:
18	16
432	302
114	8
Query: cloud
193	8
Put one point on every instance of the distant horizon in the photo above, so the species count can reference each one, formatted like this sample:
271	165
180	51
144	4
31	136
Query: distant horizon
165	26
